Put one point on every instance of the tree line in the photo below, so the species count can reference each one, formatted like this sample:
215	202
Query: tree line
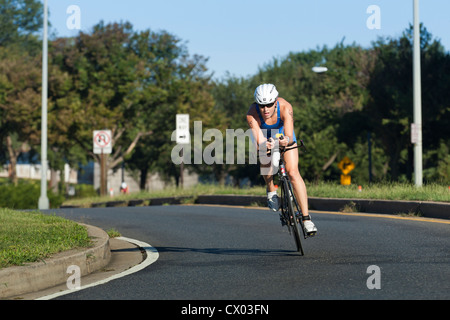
364	100
135	82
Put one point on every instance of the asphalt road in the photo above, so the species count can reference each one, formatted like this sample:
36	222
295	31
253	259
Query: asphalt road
208	252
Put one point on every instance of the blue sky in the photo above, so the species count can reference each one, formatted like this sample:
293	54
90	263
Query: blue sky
238	36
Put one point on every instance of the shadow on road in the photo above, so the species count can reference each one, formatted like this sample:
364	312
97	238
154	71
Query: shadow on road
230	251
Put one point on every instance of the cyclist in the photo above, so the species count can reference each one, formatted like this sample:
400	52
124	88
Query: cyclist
276	115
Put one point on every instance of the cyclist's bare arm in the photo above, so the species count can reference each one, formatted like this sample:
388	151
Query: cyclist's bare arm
287	115
254	125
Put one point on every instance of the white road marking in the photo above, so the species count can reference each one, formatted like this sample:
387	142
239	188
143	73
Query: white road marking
152	256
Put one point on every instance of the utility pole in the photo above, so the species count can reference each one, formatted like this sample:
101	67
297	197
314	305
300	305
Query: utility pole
43	199
417	99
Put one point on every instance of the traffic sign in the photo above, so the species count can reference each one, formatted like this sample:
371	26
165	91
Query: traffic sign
102	141
346	165
182	129
414	133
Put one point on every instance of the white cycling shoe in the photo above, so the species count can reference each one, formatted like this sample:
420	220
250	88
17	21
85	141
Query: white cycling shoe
272	201
310	228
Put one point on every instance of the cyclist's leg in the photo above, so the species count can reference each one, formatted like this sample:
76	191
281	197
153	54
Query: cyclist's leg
267	173
291	161
269	183
272	198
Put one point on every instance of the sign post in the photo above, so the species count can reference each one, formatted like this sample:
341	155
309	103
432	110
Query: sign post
183	137
102	145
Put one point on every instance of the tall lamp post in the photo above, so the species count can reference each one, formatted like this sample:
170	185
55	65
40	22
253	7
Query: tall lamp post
418	179
43	199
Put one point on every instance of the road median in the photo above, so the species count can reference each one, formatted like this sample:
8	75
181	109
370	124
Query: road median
50	272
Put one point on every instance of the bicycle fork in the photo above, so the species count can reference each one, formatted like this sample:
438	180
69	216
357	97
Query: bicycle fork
295	207
286	220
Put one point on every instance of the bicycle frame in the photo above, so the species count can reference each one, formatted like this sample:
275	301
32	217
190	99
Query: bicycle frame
292	216
282	175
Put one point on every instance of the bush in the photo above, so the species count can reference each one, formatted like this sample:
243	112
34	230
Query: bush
26	195
85	191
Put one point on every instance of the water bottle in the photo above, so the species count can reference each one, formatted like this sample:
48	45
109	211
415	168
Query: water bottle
276	158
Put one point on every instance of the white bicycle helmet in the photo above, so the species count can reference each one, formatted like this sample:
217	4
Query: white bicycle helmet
266	93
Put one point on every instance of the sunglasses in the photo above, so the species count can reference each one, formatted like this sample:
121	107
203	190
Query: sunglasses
270	105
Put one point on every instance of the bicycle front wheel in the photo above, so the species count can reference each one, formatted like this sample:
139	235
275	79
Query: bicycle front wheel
288	205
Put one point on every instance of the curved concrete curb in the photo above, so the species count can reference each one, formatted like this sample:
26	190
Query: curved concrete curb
428	209
122	261
439	210
41	275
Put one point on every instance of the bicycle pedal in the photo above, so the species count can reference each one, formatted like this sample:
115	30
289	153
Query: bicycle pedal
311	234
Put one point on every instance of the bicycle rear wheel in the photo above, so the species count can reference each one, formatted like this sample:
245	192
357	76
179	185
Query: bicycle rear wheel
288	206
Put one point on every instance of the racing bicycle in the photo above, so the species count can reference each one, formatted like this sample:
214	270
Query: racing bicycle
290	215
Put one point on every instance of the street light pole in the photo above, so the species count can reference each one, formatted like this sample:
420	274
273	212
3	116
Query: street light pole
43	199
417	99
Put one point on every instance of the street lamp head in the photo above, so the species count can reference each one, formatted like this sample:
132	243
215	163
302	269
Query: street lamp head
317	69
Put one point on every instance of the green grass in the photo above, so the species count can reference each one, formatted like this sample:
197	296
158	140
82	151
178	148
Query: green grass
193	192
385	191
32	236
382	191
113	233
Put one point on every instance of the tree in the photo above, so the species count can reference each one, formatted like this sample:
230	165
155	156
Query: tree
132	83
321	101
20	100
233	96
176	83
19	76
102	88
20	20
390	108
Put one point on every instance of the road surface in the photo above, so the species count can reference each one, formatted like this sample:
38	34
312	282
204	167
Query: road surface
214	252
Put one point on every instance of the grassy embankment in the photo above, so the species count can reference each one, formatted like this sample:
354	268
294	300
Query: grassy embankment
391	191
27	236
